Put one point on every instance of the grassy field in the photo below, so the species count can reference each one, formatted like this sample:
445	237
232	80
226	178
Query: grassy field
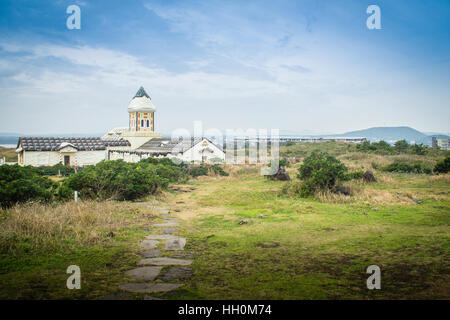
9	154
250	240
308	249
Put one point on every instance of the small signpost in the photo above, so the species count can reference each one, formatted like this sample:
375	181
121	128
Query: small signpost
75	195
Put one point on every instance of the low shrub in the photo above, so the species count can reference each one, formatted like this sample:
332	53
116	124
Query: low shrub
218	170
320	171
115	180
403	167
281	163
23	184
196	171
381	147
205	169
442	166
57	169
167	170
353	175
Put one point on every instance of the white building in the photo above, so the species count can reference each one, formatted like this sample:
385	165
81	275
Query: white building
137	141
74	152
187	150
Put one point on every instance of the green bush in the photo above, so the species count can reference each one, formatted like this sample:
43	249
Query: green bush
219	170
353	175
381	147
196	171
165	169
281	163
403	167
419	149
115	180
399	147
204	170
23	184
442	166
320	171
55	170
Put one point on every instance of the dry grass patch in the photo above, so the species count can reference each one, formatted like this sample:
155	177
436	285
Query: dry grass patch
442	177
45	227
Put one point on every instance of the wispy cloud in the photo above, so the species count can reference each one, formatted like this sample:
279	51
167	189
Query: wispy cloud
227	63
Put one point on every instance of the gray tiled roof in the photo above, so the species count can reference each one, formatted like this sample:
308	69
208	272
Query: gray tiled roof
116	142
165	145
54	143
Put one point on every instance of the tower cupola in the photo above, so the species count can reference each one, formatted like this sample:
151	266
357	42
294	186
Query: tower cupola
141	112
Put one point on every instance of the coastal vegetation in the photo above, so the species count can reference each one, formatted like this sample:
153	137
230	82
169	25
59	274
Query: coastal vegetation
251	238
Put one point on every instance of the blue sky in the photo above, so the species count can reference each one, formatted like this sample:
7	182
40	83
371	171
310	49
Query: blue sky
304	66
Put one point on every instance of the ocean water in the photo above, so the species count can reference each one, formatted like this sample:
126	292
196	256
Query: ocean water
8	145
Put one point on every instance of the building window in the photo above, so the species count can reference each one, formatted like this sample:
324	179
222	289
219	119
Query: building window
148	123
142	123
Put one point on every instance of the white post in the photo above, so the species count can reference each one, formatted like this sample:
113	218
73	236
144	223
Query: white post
76	196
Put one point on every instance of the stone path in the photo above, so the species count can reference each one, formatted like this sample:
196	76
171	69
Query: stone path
166	224
153	267
165	262
144	273
149	244
142	287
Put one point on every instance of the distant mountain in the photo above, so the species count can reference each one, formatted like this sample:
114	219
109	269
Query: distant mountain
392	134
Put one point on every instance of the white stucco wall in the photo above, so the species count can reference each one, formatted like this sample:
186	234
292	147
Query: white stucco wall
195	153
50	158
85	158
40	158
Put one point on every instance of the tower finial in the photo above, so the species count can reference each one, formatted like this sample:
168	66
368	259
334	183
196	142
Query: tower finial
141	93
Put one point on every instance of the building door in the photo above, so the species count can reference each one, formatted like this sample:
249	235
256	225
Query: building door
67	161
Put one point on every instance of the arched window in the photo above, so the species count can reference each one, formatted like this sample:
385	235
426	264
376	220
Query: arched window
148	123
142	123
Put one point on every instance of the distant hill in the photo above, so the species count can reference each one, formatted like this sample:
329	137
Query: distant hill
392	134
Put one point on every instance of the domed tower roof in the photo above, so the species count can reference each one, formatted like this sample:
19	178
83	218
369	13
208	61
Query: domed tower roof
141	102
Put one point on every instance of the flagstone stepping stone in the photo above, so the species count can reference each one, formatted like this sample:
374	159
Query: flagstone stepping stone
164	261
160	237
167	224
150	253
144	273
175	244
161	210
149	244
170	219
169	230
177	273
142	287
185	255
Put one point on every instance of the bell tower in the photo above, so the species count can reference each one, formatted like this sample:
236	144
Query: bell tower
141	119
